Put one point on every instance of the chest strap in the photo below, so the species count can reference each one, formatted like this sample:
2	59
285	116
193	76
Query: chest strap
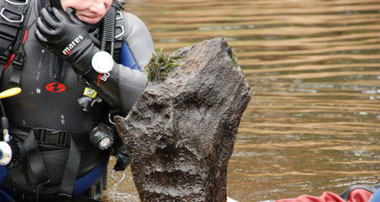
50	137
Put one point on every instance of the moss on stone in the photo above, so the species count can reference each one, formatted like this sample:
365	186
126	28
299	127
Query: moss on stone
159	66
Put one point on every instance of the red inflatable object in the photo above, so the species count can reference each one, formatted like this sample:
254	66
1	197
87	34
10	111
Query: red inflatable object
357	195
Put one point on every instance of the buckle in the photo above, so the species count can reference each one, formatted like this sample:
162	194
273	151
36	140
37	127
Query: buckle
17	3
119	15
46	136
3	59
122	31
2	14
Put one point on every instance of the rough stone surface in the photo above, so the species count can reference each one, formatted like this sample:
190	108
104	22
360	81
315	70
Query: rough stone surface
180	134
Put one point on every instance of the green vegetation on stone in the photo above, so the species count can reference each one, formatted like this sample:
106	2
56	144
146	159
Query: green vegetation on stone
159	66
235	60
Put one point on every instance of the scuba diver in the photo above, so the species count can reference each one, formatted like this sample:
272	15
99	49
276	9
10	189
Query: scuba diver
78	64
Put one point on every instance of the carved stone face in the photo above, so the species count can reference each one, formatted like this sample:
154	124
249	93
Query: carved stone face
181	132
89	11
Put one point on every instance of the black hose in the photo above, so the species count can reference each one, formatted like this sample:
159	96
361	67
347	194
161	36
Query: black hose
108	31
4	124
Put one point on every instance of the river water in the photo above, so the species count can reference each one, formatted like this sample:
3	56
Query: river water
313	122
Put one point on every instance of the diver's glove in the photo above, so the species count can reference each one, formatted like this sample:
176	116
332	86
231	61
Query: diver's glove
66	36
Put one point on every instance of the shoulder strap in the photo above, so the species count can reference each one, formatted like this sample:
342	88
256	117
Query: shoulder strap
120	33
12	19
113	30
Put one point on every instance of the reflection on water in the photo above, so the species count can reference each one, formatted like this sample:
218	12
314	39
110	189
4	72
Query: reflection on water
313	122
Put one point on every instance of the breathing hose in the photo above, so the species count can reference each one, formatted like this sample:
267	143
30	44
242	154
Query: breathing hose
108	30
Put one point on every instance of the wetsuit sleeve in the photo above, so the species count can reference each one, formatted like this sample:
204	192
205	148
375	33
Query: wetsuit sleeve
140	44
139	40
125	85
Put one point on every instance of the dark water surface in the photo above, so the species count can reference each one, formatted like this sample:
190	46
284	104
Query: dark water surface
313	65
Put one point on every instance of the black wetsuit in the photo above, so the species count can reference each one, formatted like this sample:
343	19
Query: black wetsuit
49	101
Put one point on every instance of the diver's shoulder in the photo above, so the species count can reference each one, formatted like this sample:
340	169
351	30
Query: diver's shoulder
133	24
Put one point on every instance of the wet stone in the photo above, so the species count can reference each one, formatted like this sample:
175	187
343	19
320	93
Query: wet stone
180	134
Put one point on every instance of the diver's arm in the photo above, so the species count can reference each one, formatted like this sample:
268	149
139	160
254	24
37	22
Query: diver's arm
66	36
124	85
121	89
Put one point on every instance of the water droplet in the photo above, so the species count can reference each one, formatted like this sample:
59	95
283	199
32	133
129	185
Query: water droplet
38	76
62	119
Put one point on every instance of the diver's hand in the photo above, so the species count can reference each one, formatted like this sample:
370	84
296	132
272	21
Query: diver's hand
66	36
